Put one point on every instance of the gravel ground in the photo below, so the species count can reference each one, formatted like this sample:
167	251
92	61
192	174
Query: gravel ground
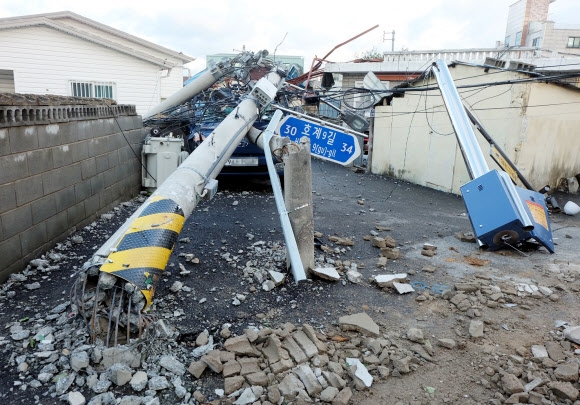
237	239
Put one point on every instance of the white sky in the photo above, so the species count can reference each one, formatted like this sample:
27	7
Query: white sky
312	28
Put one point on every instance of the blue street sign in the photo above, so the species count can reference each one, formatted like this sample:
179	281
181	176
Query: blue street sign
325	142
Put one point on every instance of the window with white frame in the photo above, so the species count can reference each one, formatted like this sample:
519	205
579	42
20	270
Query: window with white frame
507	40
92	89
536	42
574	42
518	39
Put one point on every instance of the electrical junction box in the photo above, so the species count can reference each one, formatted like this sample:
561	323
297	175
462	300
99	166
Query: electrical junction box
502	214
160	157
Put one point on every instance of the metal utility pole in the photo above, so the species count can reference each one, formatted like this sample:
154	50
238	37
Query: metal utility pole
392	39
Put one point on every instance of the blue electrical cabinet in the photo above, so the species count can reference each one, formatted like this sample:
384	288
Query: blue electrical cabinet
503	214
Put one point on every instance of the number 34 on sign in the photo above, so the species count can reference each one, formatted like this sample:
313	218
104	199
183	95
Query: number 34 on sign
325	142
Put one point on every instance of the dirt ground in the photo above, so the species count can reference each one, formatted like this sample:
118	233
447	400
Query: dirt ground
354	205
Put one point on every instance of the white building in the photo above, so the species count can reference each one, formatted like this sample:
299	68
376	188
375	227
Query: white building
66	54
528	25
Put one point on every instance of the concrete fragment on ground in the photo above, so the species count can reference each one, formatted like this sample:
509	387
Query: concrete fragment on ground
326	273
354	276
359	373
360	322
476	328
306	375
386	280
539	351
240	345
447	343
511	384
415	335
277	277
573	334
403	288
390	253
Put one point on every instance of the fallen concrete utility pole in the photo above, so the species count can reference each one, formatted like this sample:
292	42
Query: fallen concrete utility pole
206	80
501	214
139	251
298	199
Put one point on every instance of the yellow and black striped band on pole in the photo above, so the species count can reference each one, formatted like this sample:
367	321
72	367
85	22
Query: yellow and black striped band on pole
143	251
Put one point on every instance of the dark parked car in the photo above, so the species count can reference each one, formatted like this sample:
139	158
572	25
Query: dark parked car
247	160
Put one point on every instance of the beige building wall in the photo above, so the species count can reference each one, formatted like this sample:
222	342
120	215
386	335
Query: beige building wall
413	138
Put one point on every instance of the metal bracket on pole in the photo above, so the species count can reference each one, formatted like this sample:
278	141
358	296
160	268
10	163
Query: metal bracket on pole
289	238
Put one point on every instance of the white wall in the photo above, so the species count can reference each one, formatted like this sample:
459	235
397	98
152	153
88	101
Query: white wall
516	19
414	140
44	60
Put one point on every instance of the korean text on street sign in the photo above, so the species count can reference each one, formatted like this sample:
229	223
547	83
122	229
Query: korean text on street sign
325	142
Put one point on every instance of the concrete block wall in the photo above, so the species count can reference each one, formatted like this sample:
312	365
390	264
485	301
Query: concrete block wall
60	171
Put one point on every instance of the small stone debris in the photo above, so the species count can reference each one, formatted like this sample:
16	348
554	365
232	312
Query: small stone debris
465	237
476	328
354	276
447	343
415	335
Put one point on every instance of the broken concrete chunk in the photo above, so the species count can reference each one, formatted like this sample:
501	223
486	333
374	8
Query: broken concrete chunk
539	351
476	329
231	368
415	335
306	375
390	253
273	351
290	386
241	346
567	372
511	384
326	273
258	378
232	384
249	365
359	373
171	364
378	242
428	253
447	343
382	262
403	288
294	350
564	390
390	242
360	322
386	280
212	359
277	277
196	368
311	333
572	334
247	397
354	276
305	344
